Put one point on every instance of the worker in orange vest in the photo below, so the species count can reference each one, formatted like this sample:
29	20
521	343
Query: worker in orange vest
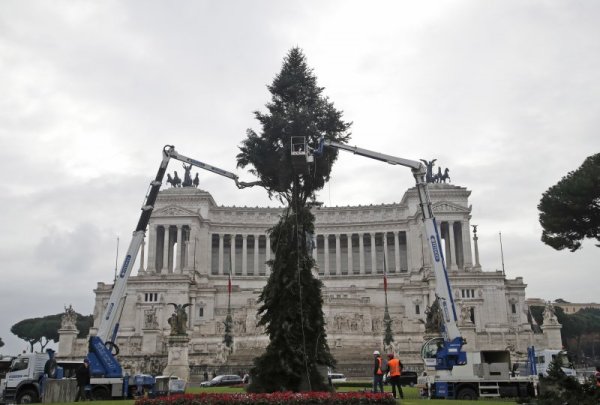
597	375
394	368
377	372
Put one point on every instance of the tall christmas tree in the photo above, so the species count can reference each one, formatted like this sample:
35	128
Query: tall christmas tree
291	302
228	336
388	337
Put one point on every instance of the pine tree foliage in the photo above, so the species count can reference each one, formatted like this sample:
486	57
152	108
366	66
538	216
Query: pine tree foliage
292	314
388	336
570	210
228	335
558	389
297	108
291	302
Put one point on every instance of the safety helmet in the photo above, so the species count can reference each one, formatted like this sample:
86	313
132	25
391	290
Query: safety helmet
376	352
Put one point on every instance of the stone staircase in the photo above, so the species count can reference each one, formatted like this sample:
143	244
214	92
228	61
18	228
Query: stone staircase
354	362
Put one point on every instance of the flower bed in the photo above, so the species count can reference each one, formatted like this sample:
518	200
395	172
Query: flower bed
306	398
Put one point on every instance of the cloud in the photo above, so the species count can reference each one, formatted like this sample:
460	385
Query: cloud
504	93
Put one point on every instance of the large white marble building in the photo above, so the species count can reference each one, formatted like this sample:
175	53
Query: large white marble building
192	243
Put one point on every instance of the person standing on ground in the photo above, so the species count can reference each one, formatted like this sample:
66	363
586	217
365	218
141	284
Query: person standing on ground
394	368
83	380
377	372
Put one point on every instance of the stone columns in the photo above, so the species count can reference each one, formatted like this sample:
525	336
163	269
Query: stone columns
476	247
409	251
188	264
373	256
385	249
256	271
152	230
165	261
452	246
268	255
244	255
326	254
190	245
141	270
397	251
221	248
179	249
361	252
338	255
466	238
349	245
232	253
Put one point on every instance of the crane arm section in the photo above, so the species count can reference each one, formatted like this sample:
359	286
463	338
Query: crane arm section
451	354
109	323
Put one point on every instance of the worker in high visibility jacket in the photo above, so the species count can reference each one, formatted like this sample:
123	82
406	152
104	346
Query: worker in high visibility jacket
377	372
394	369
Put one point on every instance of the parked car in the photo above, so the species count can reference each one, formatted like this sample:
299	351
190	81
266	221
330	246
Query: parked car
223	380
406	378
336	378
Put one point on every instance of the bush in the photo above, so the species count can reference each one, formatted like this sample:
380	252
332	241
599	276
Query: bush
304	398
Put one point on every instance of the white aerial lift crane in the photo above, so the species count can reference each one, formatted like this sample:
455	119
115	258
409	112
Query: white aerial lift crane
102	361
449	353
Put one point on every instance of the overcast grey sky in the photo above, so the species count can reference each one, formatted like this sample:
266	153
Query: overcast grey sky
504	93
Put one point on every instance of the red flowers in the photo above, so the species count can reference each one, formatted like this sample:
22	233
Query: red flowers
305	398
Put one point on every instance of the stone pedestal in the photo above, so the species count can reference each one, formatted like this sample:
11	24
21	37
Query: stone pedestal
63	390
66	341
178	362
553	336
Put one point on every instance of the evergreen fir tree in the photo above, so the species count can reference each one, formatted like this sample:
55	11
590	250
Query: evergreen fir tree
291	302
228	336
388	336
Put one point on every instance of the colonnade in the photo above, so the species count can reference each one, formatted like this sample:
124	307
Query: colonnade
361	253
169	250
336	254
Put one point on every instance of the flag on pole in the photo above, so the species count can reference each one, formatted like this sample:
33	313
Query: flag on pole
384	274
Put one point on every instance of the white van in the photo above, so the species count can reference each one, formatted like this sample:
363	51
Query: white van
336	378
